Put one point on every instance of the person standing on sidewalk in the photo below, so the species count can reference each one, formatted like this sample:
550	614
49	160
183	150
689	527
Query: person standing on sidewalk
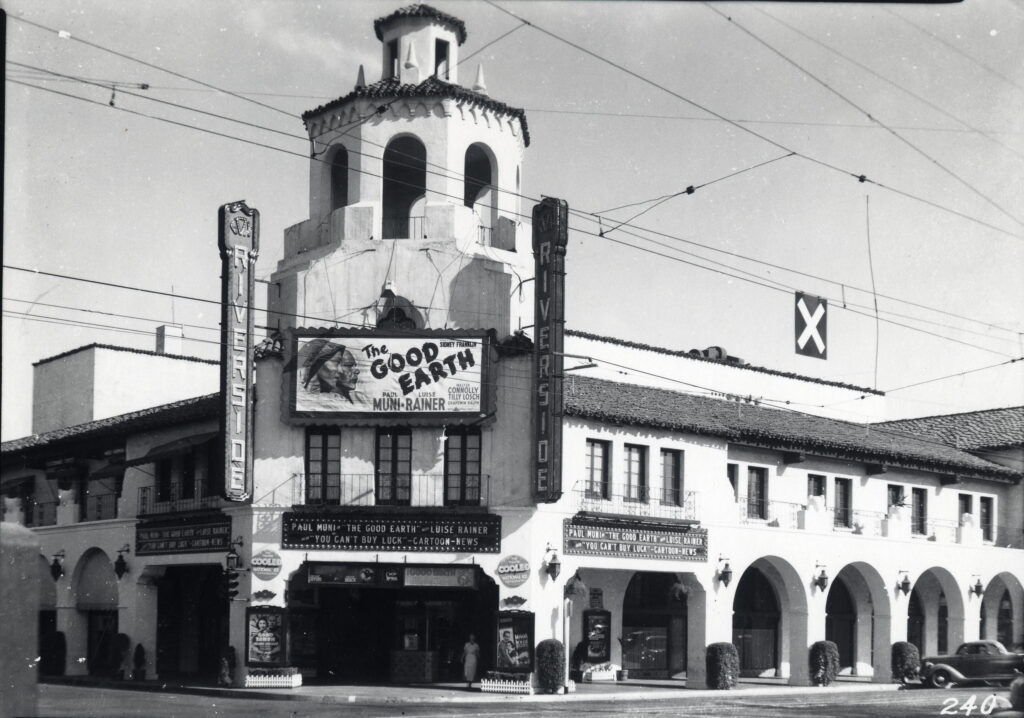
470	658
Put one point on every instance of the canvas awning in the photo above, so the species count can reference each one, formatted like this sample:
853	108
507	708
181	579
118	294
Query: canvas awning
172	448
112	470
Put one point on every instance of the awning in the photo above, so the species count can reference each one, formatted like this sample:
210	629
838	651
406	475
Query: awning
14	483
173	448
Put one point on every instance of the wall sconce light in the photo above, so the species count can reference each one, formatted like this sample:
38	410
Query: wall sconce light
905	583
554	566
120	565
57	567
724	573
822	579
233	560
977	589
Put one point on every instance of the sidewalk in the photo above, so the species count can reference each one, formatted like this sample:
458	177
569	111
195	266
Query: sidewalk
631	690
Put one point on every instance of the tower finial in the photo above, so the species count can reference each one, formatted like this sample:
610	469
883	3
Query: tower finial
479	85
412	65
361	77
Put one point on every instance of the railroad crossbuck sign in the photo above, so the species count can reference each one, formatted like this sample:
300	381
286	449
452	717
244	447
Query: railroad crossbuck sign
811	325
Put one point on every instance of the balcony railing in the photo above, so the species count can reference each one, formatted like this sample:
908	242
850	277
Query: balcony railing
397	490
403	227
170	500
942	530
636	501
99	507
773	513
41	513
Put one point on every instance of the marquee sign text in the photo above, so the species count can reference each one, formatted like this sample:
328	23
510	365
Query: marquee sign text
550	237
360	532
239	227
635	541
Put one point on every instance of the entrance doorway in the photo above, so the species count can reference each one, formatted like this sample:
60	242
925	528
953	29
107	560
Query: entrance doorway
654	624
101	627
192	621
378	634
841	623
755	624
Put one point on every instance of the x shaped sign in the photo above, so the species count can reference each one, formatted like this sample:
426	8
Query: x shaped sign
811	325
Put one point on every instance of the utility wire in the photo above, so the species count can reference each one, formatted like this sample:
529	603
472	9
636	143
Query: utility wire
487	45
860	109
760	136
938	108
953	376
67	35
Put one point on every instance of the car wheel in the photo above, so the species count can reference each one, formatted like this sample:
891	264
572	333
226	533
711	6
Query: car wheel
940	679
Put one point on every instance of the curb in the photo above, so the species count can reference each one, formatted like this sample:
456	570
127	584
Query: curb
339	694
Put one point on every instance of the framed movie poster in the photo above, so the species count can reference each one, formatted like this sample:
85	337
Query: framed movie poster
515	642
266	637
597	628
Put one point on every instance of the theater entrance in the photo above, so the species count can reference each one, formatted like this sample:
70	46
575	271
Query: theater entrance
374	623
192	621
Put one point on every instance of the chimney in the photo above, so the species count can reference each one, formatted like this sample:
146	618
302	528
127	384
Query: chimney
169	339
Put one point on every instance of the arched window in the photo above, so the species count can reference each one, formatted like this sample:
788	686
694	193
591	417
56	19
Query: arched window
405	181
479	192
339	178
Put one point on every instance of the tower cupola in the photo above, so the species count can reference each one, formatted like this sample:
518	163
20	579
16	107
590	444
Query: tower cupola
420	42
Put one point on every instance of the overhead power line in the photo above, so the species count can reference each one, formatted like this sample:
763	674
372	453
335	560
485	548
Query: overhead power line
862	110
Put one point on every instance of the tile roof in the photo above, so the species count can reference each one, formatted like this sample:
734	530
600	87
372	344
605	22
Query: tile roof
124	349
631	404
696	356
987	429
390	88
421	10
195	409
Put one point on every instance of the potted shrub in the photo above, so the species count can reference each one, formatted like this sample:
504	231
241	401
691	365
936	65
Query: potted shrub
139	663
906	662
550	665
723	666
119	659
824	663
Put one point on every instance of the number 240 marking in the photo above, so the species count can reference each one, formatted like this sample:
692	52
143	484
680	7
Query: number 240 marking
949	706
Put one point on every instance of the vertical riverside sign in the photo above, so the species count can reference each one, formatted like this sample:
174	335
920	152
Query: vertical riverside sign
239	231
550	237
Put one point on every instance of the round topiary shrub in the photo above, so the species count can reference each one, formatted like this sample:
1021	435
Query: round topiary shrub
1017	693
723	666
550	665
906	662
824	663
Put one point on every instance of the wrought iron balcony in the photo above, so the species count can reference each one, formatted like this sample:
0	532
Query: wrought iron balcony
783	514
412	489
40	513
637	501
401	227
169	500
99	507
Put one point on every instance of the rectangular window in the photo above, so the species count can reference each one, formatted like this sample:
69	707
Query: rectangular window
441	59
392	66
188	475
596	470
672	477
462	467
394	467
816	485
919	511
213	485
323	466
757	492
733	472
162	476
894	494
636	472
965	505
844	503
985	517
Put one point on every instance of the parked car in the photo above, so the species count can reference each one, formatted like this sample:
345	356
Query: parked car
973	661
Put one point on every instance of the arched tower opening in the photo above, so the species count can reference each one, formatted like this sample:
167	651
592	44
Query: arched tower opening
479	189
405	182
339	178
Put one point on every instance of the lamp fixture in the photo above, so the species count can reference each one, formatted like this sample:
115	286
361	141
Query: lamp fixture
821	581
553	566
120	565
233	560
57	567
977	589
904	585
724	573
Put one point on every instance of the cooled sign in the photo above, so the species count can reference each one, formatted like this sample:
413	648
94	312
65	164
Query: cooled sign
266	565
513	571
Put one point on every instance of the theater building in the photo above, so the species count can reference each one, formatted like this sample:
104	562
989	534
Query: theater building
422	450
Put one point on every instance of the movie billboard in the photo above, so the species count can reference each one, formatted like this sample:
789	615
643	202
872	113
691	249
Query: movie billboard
362	374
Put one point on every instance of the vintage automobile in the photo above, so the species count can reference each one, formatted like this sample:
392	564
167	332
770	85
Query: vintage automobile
973	661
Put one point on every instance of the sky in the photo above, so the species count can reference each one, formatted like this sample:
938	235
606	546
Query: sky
771	111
